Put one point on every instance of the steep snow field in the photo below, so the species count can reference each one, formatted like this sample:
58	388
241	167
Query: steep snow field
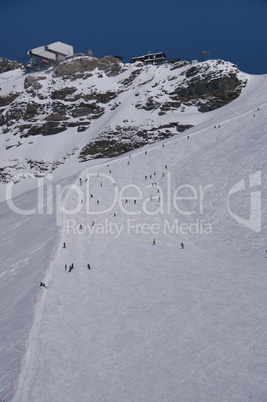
147	322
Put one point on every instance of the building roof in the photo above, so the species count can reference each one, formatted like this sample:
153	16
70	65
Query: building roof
51	51
42	53
60	48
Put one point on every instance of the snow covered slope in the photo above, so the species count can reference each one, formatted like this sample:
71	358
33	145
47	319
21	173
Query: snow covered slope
147	322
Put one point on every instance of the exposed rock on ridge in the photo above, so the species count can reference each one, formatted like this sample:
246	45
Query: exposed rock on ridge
85	93
85	64
7	65
206	89
111	143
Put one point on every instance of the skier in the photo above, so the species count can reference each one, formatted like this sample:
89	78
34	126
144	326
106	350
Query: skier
88	266
64	245
154	242
182	245
71	267
43	285
65	267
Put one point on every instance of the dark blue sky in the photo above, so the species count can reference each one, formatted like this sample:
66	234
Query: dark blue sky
233	30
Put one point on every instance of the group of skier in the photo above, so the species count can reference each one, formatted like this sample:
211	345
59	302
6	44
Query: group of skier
182	244
71	267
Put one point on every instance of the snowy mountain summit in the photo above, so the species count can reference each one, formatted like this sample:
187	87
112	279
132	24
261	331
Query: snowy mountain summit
89	108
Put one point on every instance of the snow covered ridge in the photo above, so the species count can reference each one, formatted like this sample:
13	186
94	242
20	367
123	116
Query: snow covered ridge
75	109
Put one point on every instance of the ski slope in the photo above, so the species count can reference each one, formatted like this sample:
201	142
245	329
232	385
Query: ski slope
148	322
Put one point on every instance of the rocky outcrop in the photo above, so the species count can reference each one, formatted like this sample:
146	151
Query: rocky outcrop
26	111
13	114
151	104
52	123
101	97
76	92
129	80
179	64
33	111
85	64
208	88
84	109
162	108
63	93
6	100
7	65
31	81
113	70
79	65
111	143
